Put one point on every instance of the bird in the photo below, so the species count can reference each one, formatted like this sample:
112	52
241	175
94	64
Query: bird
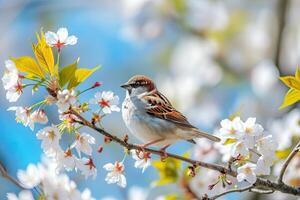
151	118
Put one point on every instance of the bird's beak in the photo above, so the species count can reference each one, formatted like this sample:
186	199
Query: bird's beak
125	86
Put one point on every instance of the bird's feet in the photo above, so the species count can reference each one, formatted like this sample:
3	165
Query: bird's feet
164	154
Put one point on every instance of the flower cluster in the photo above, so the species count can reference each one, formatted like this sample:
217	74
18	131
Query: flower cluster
248	144
61	85
44	179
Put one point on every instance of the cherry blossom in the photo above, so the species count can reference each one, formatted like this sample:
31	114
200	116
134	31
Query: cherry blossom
251	130
263	165
239	148
50	137
29	178
12	82
231	128
142	159
60	38
65	99
66	160
116	174
247	172
11	75
87	167
22	115
83	143
52	184
23	195
267	146
107	101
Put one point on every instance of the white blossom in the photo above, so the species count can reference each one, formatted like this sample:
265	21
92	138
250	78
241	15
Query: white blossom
66	160
87	195
13	93
65	99
239	148
107	100
22	115
29	178
247	173
50	137
116	174
39	116
53	185
267	146
251	130
87	167
23	195
263	165
60	38
11	75
142	159
11	82
231	128
83	143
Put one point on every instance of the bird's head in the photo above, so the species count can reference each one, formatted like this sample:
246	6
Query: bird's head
138	84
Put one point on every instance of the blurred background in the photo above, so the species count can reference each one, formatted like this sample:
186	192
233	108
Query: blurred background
211	58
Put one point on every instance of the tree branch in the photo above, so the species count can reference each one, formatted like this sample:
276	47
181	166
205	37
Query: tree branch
5	175
232	191
283	6
260	184
287	162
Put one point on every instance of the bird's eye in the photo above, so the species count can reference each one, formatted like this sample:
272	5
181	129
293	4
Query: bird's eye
134	85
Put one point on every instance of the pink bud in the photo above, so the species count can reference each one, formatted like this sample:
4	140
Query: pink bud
97	84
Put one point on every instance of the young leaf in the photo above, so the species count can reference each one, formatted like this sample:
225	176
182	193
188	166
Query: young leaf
283	154
168	171
44	55
28	65
67	73
80	76
291	82
291	97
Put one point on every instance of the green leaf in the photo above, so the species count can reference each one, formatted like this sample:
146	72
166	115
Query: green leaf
283	154
291	97
28	65
229	141
168	171
67	73
44	55
297	74
171	197
291	82
80	76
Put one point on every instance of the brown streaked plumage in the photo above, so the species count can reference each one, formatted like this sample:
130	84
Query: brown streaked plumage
144	106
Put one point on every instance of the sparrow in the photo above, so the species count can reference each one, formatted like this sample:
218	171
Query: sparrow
150	116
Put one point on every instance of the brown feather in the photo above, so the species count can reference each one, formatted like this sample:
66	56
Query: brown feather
159	106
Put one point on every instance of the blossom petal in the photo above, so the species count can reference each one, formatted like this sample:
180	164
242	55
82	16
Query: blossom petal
51	38
62	34
71	40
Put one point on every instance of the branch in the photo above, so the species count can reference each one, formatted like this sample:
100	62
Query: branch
5	175
232	191
161	153
260	184
287	162
282	10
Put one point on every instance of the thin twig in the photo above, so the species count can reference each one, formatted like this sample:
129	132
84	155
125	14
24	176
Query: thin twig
287	162
5	175
232	191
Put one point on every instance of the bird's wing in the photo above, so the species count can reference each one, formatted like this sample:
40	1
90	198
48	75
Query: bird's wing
159	106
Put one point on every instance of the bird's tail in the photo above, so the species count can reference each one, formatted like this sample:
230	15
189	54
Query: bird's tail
201	134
